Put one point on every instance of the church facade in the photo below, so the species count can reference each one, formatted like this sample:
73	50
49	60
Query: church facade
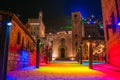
61	45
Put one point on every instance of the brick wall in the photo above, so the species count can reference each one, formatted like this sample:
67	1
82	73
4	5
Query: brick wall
18	60
112	38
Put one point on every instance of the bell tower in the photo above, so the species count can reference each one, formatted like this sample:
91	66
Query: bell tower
76	32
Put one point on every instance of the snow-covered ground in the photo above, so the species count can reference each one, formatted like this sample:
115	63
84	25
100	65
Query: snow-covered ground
65	70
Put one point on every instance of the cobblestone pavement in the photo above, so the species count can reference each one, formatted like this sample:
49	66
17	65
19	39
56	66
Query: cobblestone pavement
64	70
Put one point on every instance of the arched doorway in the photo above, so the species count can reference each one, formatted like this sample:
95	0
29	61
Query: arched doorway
62	52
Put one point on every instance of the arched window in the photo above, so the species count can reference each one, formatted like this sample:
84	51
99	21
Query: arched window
28	44
18	38
62	40
22	42
75	16
113	22
75	35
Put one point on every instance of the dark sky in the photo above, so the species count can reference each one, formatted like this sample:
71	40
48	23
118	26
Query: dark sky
55	12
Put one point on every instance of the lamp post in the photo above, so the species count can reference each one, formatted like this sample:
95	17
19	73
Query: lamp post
80	54
47	50
38	53
5	27
4	43
9	24
90	53
50	54
77	55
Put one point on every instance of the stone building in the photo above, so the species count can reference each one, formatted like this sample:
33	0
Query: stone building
111	17
61	45
66	43
76	32
21	43
36	27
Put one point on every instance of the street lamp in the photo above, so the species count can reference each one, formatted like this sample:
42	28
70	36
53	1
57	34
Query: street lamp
47	54
38	53
80	53
8	27
9	24
90	53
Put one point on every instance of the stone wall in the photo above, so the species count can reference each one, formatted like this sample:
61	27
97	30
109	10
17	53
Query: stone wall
112	38
21	45
14	61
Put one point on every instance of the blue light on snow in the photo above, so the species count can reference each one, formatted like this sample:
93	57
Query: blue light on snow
24	57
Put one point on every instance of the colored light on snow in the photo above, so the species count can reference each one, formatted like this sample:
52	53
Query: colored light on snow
114	54
68	68
65	71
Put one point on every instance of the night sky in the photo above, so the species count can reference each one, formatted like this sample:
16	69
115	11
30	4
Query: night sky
55	12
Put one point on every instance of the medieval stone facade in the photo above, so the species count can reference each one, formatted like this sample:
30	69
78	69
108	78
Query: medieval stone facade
36	27
61	45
